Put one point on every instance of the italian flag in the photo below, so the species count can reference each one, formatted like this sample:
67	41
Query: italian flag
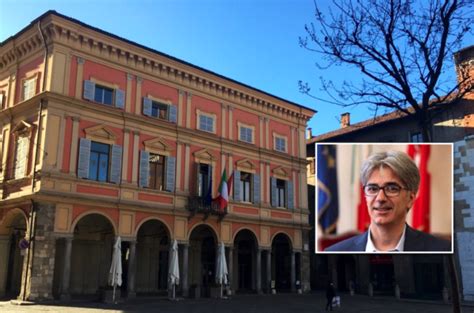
223	197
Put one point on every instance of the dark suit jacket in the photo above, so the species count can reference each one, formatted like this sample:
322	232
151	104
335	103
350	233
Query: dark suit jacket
414	241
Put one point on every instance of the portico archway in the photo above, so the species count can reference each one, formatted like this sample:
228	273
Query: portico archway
245	249
153	242
12	231
91	256
202	258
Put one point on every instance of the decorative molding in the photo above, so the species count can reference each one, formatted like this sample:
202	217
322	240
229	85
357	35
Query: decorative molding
246	165
100	133
23	127
58	30
204	156
280	172
158	145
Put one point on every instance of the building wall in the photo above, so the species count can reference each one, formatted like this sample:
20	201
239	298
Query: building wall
67	117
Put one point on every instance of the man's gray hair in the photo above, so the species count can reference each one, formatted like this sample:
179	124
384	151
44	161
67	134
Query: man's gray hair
400	163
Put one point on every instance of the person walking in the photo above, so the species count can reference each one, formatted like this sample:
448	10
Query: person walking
330	294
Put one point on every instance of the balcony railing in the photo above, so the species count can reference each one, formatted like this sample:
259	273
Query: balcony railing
199	205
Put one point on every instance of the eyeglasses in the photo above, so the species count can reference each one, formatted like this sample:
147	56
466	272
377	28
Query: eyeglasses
390	190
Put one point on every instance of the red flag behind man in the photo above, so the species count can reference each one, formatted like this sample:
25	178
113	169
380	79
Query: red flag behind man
421	208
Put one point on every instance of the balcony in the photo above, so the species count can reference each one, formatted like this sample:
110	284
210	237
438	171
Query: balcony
199	205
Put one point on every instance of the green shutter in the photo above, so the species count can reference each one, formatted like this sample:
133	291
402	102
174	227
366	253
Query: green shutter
273	184
144	168
172	113
84	158
147	104
170	173
290	193
256	189
116	164
89	90
237	190
119	98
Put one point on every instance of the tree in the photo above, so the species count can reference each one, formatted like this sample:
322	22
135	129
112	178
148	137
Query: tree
402	49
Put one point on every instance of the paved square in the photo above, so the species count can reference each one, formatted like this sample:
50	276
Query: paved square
281	303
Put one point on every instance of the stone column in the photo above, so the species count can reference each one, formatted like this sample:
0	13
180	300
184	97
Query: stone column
293	272
184	275
38	270
131	271
66	269
259	271
269	271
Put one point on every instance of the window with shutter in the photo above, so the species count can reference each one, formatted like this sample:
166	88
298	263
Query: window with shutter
245	186
280	144
99	161
246	133
281	193
278	192
157	171
29	88
104	95
204	179
20	162
206	121
256	189
144	168
159	110
290	193
236	186
170	174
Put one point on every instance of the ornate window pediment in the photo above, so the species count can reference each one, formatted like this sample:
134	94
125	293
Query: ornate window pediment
23	127
158	145
280	172
246	165
101	133
204	156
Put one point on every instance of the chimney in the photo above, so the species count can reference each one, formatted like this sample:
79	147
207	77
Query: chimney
345	120
309	133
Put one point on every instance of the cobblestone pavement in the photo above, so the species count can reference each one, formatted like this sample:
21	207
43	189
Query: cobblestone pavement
313	303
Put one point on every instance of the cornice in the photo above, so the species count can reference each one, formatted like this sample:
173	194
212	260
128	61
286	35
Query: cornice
86	41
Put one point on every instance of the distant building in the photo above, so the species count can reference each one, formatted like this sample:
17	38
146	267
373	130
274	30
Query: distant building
102	137
417	276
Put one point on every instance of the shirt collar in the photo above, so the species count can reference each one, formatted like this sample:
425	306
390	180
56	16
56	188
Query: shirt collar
370	247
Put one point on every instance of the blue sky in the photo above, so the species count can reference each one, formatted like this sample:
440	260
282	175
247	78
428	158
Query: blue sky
252	41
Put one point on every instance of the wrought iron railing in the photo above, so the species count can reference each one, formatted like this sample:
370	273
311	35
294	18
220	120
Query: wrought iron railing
201	205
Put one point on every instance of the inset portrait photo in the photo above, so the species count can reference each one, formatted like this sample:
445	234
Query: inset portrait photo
384	198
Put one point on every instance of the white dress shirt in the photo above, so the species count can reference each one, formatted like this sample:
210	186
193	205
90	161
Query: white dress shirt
370	247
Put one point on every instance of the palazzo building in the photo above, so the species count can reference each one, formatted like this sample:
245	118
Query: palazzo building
101	137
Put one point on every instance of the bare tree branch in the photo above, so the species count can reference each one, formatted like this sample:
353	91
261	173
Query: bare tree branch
401	47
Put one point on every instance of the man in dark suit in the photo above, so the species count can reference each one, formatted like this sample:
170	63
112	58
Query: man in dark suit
390	181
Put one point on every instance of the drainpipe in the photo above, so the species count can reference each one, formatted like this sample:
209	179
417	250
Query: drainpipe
32	232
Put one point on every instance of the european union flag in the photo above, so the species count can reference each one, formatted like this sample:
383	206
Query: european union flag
328	204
